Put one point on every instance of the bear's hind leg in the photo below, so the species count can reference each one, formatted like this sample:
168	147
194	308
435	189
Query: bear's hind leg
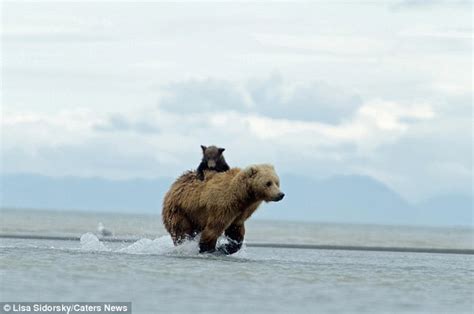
181	228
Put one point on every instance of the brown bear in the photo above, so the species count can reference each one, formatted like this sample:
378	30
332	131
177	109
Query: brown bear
219	204
212	159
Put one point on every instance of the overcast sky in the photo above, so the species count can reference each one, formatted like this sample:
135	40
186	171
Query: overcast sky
122	90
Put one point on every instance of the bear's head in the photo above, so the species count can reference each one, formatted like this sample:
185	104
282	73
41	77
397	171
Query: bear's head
264	183
212	155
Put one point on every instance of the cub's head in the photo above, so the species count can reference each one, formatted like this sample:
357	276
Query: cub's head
263	181
211	155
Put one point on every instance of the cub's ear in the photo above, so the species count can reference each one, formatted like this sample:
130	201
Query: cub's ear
221	150
251	171
203	148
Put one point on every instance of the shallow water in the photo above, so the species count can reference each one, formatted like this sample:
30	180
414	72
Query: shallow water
157	277
70	223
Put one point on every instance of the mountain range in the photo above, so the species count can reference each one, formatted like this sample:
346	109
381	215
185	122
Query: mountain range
341	199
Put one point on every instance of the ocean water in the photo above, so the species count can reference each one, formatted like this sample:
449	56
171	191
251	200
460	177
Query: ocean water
159	278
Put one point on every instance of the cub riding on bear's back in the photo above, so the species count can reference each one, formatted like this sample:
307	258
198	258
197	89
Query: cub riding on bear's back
219	204
212	159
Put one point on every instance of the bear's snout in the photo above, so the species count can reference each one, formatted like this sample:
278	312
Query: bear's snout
279	197
211	164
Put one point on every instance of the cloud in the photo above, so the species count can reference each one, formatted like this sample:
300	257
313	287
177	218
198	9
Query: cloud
118	122
393	102
272	97
201	96
431	156
314	129
309	102
130	144
335	45
52	37
375	123
415	4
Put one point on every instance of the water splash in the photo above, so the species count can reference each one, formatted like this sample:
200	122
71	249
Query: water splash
90	242
160	246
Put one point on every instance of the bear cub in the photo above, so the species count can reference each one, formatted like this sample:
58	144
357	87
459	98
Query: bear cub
212	159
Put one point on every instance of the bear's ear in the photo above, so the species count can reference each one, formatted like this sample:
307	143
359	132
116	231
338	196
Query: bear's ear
251	171
203	148
221	150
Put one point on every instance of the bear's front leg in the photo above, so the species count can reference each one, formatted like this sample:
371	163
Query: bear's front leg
235	234
209	237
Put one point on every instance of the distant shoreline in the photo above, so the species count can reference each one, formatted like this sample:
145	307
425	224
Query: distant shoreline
265	245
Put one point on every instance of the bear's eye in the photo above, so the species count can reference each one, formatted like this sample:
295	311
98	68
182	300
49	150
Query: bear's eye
269	183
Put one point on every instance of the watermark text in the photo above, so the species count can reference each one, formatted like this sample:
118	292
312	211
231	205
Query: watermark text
66	307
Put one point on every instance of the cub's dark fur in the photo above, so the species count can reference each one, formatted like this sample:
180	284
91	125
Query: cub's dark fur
212	159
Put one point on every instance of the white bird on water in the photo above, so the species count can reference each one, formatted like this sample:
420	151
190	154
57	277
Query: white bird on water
102	231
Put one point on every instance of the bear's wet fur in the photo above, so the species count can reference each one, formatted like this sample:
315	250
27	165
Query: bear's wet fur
219	204
212	159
